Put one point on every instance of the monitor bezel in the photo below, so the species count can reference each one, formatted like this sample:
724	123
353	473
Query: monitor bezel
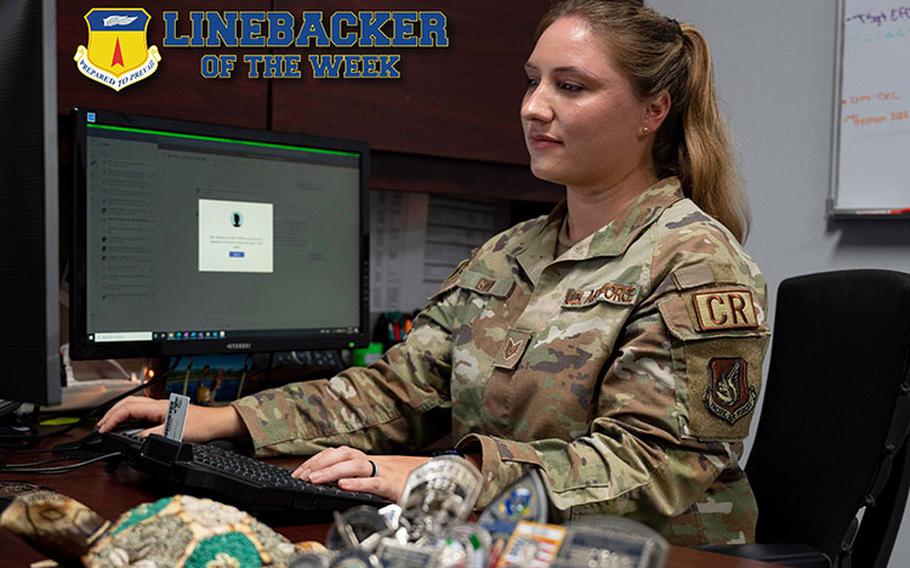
29	162
82	348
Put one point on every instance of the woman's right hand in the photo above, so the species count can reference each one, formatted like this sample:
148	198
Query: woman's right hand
202	423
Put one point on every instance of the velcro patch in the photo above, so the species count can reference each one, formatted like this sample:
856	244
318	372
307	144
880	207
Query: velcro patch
486	285
512	349
725	309
702	274
729	395
620	294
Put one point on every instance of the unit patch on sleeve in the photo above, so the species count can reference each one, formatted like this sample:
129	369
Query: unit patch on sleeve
729	395
725	309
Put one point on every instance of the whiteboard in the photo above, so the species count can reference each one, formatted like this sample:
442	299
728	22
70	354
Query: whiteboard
871	165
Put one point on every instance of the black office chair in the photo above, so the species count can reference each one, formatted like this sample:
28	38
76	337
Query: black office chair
832	439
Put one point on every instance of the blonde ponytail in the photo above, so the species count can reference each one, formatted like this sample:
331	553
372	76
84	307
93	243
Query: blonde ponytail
705	157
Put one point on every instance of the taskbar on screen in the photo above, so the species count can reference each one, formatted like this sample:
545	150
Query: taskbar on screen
202	335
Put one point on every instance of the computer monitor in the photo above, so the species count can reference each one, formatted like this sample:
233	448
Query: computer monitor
197	238
29	284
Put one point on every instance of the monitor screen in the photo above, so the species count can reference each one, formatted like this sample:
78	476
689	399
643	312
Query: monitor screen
193	238
29	287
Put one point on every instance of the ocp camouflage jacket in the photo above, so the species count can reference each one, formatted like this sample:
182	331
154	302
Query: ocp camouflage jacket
626	369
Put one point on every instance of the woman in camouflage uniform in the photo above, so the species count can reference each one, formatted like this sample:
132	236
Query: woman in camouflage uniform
615	344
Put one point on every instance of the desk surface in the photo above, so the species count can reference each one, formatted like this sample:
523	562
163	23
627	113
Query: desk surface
110	494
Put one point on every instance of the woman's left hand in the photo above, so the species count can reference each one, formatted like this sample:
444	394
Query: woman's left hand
351	469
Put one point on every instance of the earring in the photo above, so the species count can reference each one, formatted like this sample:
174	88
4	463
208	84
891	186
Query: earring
645	131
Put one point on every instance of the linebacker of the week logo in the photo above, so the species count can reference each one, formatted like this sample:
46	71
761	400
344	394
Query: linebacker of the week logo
118	54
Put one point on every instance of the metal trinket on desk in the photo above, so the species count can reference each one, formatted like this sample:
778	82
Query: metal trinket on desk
429	528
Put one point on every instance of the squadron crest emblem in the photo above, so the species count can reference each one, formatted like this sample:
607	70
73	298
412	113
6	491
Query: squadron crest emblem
117	54
729	395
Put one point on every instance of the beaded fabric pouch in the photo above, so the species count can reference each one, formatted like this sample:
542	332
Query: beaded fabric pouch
174	531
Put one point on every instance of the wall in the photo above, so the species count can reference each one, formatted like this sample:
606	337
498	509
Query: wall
774	64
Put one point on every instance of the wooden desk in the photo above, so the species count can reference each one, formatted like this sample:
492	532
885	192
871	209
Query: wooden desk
110	494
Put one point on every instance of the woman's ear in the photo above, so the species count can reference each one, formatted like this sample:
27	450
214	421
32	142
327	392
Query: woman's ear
655	110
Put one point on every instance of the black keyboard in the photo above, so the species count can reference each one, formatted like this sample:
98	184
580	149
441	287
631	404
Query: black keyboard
244	481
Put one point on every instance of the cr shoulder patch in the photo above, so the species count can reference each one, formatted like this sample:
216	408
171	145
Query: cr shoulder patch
725	309
512	349
729	395
611	292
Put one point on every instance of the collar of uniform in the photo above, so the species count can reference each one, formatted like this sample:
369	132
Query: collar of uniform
559	212
615	237
538	248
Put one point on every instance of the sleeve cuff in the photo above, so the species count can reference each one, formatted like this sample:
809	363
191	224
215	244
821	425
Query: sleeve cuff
264	420
501	462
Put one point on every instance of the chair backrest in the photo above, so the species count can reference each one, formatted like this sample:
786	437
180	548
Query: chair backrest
835	414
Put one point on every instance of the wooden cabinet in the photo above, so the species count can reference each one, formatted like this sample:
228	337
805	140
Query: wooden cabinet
461	101
176	89
449	124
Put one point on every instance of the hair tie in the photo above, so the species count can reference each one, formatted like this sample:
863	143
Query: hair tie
675	25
